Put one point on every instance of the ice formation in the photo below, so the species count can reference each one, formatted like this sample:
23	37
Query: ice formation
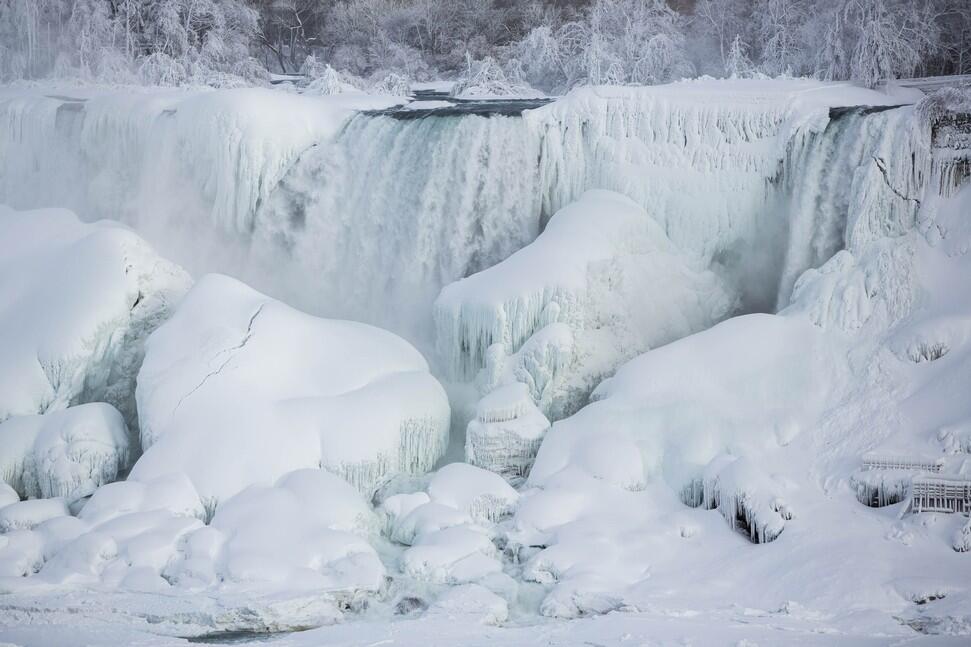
962	538
598	267
743	495
234	368
65	454
506	432
76	304
481	494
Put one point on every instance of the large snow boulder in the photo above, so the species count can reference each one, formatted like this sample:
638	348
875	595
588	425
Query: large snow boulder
66	453
309	530
605	270
77	301
239	389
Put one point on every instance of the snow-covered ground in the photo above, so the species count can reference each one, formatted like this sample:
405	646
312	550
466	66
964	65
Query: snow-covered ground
689	335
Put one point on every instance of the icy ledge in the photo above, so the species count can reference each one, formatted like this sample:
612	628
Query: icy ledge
76	304
234	369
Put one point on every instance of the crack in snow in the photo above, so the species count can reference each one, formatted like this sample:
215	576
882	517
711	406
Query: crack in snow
232	350
886	178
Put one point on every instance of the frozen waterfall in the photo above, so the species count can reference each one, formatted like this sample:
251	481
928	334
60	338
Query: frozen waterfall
368	216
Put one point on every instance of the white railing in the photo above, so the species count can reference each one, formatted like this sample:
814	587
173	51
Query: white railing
939	494
881	462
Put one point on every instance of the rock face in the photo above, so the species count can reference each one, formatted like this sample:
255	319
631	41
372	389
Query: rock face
77	301
66	453
236	369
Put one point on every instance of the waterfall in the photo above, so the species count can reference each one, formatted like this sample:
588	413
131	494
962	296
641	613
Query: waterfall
392	210
860	177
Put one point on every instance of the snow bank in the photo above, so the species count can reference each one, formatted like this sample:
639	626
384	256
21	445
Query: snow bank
76	304
234	368
65	454
604	268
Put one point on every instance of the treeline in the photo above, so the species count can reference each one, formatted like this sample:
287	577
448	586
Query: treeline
509	45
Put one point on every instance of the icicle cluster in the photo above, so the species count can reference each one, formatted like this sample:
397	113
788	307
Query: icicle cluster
506	433
742	494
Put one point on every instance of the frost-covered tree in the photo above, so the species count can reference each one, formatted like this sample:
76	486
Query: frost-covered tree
779	24
739	65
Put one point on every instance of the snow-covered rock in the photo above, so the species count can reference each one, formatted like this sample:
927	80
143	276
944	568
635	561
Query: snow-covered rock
308	531
451	556
425	519
750	383
506	432
482	494
173	493
65	453
236	369
604	268
471	602
27	514
76	304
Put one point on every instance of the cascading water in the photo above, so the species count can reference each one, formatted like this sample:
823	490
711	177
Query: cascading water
861	172
394	209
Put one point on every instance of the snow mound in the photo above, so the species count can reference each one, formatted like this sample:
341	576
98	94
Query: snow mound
65	454
171	493
25	515
451	556
425	519
482	494
669	412
471	602
506	433
234	368
585	270
308	531
76	304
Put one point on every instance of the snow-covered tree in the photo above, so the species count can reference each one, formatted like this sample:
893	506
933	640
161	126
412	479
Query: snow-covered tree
739	65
